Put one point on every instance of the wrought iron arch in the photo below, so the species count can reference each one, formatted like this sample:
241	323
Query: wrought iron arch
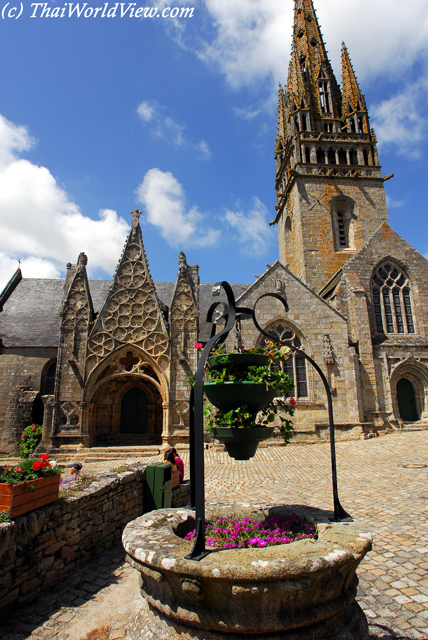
231	315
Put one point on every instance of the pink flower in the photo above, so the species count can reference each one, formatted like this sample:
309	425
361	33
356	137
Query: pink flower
198	346
18	469
292	402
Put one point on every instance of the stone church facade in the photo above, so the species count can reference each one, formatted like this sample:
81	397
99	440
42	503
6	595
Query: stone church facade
106	363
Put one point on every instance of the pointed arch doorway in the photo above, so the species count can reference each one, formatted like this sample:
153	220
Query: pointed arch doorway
134	414
407	401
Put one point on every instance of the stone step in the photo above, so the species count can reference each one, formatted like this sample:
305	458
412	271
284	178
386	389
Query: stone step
97	454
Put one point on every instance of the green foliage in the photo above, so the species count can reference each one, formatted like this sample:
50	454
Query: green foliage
240	417
5	517
28	470
30	439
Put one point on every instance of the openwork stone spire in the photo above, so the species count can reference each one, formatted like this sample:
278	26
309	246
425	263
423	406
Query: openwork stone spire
353	101
77	311
311	82
132	312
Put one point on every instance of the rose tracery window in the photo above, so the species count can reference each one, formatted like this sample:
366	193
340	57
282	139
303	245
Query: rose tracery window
295	366
392	300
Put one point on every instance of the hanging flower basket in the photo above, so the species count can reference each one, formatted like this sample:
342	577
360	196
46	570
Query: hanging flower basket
230	387
241	444
239	360
244	388
27	496
227	396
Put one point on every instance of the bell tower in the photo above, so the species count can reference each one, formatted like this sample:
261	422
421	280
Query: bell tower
329	187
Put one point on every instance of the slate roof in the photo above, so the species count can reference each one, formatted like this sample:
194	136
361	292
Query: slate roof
30	316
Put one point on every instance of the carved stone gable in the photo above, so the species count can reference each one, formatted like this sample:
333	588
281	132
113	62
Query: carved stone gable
184	311
77	309
132	312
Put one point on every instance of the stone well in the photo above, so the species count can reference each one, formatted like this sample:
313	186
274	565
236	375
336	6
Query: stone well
300	591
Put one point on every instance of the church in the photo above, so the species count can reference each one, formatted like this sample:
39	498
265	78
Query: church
105	364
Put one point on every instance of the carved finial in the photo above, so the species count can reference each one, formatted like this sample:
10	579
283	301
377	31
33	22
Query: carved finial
328	350
182	262
135	218
82	260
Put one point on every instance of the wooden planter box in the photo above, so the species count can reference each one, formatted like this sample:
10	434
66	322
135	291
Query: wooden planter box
19	499
175	479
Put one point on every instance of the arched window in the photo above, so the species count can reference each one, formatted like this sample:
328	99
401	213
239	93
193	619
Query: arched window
295	366
320	156
343	219
342	157
50	379
392	300
331	156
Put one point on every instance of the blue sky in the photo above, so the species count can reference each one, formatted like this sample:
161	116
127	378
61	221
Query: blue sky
177	117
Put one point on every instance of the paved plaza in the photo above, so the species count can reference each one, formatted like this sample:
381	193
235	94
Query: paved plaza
383	484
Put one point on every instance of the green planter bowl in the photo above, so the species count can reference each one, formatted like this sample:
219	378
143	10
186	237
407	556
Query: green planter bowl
231	395
239	360
241	443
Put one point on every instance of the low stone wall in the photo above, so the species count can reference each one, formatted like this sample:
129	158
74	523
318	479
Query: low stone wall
43	546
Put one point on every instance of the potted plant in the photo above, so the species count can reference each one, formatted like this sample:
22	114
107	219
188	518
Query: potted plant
248	389
32	484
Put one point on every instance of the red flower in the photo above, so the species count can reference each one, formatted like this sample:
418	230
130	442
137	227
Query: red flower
37	465
43	456
292	402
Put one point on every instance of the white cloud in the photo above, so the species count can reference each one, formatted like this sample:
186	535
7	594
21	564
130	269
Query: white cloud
165	127
251	229
13	139
41	225
251	40
398	120
164	199
394	204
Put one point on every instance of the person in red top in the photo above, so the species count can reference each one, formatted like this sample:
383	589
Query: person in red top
180	464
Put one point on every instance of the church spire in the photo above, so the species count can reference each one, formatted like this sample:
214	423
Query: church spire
354	109
326	157
311	82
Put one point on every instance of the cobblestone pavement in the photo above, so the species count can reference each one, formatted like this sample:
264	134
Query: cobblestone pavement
383	484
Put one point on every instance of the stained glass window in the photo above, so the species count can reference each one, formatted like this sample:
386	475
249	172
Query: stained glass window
295	366
392	300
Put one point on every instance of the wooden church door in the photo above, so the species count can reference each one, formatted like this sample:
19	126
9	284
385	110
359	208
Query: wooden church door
134	416
406	400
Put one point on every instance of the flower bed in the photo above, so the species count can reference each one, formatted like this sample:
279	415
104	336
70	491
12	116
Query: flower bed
234	533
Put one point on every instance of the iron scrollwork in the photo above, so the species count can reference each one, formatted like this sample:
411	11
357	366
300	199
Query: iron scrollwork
232	316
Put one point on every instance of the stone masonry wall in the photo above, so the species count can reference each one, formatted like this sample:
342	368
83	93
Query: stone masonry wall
314	319
20	379
41	547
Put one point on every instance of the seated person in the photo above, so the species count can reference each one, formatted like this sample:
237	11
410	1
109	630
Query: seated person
180	464
76	468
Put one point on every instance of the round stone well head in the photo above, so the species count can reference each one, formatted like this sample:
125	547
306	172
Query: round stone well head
304	590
